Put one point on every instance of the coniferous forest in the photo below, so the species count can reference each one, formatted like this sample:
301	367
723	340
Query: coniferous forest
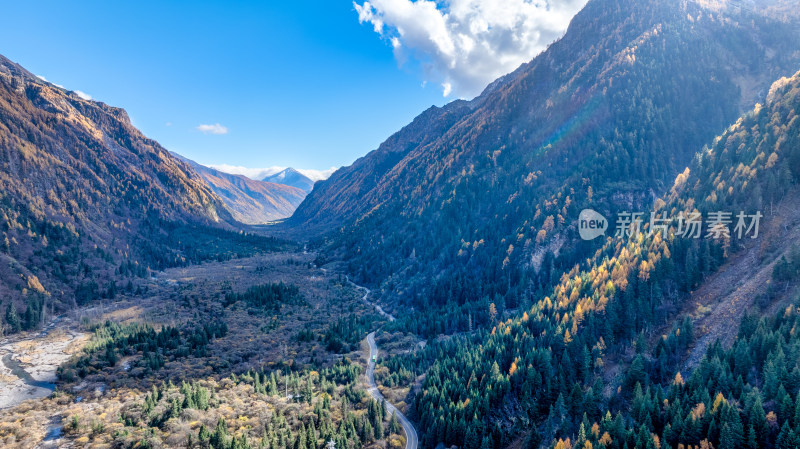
442	290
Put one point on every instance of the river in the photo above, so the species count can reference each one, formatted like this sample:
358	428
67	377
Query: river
28	361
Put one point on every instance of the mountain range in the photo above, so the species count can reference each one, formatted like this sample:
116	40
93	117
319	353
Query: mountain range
263	173
483	190
85	197
464	224
291	177
255	202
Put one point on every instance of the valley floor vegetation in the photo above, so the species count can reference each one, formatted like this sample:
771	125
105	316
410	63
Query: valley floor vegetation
260	352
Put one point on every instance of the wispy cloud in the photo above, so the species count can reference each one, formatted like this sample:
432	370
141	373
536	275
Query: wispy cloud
317	175
83	95
216	128
252	173
463	45
79	93
45	80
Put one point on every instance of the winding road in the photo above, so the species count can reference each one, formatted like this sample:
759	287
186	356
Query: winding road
412	440
378	308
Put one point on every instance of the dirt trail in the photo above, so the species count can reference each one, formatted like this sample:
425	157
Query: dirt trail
733	290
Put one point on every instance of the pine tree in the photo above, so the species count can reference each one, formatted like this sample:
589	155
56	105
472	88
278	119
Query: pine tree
752	438
796	421
471	440
368	433
219	438
300	439
726	439
203	434
308	393
175	409
636	372
581	436
272	389
394	424
257	383
758	419
787	439
311	435
378	428
730	415
12	318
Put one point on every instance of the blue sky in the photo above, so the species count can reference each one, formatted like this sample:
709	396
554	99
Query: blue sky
306	84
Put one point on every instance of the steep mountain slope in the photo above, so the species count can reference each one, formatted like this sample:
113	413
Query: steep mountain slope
85	197
345	194
479	195
291	177
250	201
544	373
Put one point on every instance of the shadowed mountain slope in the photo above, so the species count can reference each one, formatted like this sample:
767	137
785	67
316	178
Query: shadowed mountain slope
480	193
85	198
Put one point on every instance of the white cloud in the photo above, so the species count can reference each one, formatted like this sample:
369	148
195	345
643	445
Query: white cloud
466	44
45	80
317	175
446	89
79	93
252	173
83	95
261	173
216	128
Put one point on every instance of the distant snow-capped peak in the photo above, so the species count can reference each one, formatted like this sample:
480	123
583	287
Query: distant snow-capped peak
261	173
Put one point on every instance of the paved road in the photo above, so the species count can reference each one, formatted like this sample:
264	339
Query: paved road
412	440
366	291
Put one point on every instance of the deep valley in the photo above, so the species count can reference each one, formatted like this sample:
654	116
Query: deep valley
443	291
